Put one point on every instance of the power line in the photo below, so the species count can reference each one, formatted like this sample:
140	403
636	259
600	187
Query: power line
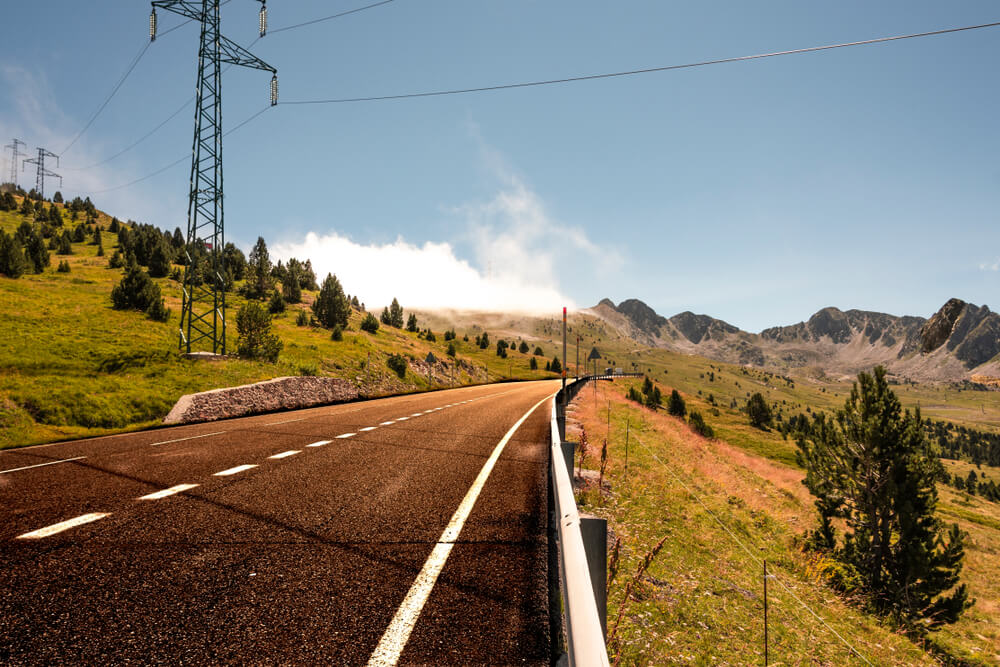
333	16
186	156
117	86
749	551
667	68
114	91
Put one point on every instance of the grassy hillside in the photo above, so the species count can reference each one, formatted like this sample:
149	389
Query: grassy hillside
701	600
71	366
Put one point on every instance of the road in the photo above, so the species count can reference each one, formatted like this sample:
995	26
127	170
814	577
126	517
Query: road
348	535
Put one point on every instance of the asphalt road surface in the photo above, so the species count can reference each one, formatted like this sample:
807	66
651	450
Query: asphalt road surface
408	529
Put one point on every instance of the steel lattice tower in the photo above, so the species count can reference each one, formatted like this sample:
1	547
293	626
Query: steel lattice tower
14	154
203	310
41	172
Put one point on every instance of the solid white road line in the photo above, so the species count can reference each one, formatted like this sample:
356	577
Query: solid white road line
368	428
346	435
285	455
236	470
180	488
64	525
39	465
321	443
287	421
394	639
193	437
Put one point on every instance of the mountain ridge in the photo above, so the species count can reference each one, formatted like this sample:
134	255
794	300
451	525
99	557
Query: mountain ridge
959	340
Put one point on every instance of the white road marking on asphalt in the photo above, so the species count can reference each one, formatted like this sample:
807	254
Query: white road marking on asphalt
390	647
39	465
237	469
416	414
322	442
402	419
347	435
63	525
368	428
193	437
180	488
287	421
285	455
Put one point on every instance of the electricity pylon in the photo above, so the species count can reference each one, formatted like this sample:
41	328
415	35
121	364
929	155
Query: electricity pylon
203	309
14	154
41	172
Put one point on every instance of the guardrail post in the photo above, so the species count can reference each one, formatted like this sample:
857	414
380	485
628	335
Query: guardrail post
595	544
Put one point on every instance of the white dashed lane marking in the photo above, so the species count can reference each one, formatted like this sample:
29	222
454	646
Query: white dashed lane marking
165	493
368	428
285	455
387	423
322	442
346	435
287	421
416	414
193	437
402	419
63	525
39	465
236	470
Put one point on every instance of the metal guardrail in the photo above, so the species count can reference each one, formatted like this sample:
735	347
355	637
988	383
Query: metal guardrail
583	622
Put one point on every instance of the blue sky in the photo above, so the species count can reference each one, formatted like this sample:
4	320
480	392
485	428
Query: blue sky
756	192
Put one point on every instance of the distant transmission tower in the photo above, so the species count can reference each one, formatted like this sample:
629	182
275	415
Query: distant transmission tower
14	154
41	172
203	309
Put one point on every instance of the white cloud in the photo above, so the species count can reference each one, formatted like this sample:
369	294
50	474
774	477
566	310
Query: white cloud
990	266
518	251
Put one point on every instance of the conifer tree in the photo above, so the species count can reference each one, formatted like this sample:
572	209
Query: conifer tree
385	318
759	411
259	270
331	306
675	404
159	260
411	322
873	467
396	314
13	263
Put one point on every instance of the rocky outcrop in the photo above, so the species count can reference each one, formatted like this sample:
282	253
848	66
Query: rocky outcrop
958	338
287	393
697	328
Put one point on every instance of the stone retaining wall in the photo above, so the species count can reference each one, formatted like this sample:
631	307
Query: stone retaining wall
287	393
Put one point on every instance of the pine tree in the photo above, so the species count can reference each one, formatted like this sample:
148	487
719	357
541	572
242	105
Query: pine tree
255	340
675	404
411	322
759	411
159	260
36	252
331	307
13	263
259	270
533	363
65	244
291	288
873	467
522	348
369	323
385	318
555	367
396	314
276	304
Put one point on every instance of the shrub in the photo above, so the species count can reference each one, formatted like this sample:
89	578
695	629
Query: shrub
430	337
65	244
63	267
137	291
276	304
337	334
397	364
116	261
698	425
309	370
451	349
158	311
522	348
255	340
369	324
176	275
533	364
302	319
538	352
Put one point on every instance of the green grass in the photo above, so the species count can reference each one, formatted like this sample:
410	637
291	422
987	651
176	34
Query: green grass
71	366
